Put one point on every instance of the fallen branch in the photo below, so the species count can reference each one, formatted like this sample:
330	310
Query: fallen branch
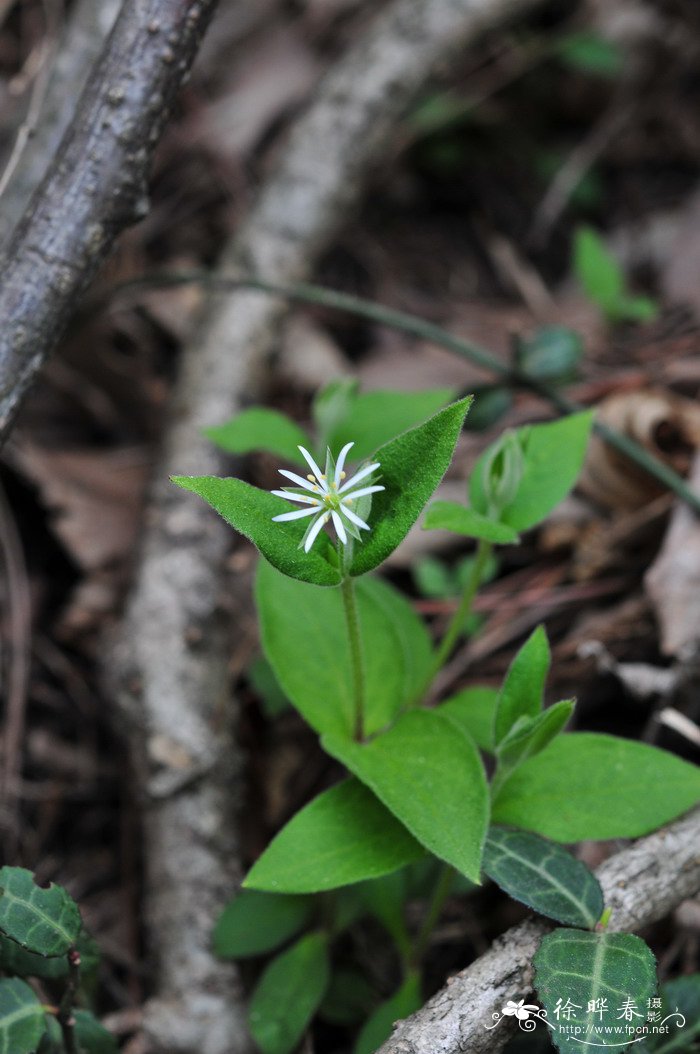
642	883
96	186
173	656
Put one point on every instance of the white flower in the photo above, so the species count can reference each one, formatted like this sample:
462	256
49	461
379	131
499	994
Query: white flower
327	497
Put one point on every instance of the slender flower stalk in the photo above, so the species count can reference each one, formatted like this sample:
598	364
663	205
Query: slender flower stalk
328	496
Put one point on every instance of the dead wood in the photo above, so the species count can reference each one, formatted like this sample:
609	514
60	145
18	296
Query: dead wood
641	884
96	186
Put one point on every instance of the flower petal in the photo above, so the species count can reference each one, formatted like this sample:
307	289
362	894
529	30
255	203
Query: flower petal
314	532
354	518
299	480
366	471
289	495
362	491
296	515
313	466
338	524
340	463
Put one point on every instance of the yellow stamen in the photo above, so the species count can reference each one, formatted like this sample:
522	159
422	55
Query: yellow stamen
311	479
348	501
322	476
343	475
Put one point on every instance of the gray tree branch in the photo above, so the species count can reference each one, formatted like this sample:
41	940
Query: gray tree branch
96	185
642	883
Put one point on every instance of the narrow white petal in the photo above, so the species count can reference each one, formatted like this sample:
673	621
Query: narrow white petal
299	480
366	471
340	463
314	532
296	515
313	466
338	524
362	491
306	499
353	517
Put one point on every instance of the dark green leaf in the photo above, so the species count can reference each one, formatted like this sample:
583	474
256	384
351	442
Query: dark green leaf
473	709
253	923
384	898
261	429
680	996
250	511
93	1038
591	52
288	995
524	742
378	1027
304	634
586	785
523	687
411	468
344	835
21	1018
374	418
44	921
15	959
451	516
552	354
490	404
429	774
544	876
266	686
349	998
586	967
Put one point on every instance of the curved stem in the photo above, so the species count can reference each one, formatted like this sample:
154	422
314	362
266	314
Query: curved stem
352	622
308	293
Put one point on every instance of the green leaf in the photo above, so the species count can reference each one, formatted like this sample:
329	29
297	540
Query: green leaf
93	1038
544	876
254	922
288	995
591	52
374	418
21	1018
378	1027
490	404
523	687
473	709
304	635
586	785
349	998
266	687
635	309
411	468
551	354
585	967
451	516
14	959
597	270
534	735
682	996
331	406
45	921
429	774
553	454
260	429
344	835
250	511
434	579
384	898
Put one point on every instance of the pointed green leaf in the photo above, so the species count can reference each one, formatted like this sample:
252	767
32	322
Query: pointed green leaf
586	785
553	454
473	710
593	970
429	774
379	1025
344	835
253	923
524	742
544	876
288	995
45	921
21	1018
250	511
523	687
373	418
304	635
411	468
93	1037
451	516
261	429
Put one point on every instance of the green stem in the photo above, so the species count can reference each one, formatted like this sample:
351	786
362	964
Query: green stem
456	623
358	672
65	1010
307	293
440	894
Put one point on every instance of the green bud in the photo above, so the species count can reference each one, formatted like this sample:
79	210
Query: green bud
502	473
